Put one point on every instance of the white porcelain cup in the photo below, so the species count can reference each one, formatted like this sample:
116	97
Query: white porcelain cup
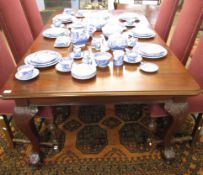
77	51
96	43
118	56
25	70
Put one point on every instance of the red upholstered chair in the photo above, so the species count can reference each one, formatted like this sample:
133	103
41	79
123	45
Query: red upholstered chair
15	26
183	38
186	29
165	17
6	107
195	104
33	16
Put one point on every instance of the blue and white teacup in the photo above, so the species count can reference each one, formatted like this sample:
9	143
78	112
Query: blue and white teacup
66	63
132	42
118	57
131	55
77	51
25	70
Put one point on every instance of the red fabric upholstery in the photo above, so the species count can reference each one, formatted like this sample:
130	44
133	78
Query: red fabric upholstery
15	26
195	103
196	65
7	66
33	16
7	106
156	110
6	62
165	17
195	69
186	29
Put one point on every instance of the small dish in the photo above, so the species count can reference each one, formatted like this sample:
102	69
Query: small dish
60	68
83	71
149	67
22	78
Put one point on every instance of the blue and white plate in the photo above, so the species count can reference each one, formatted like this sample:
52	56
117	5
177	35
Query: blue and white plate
43	58
54	32
24	78
149	67
83	71
138	59
152	50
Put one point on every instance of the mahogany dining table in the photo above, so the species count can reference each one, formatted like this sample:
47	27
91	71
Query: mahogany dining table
171	85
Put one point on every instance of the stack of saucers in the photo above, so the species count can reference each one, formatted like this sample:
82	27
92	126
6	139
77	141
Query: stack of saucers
43	58
143	32
83	71
152	50
54	32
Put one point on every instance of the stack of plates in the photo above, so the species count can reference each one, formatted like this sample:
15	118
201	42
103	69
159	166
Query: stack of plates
54	32
83	71
42	59
143	32
151	50
65	18
129	16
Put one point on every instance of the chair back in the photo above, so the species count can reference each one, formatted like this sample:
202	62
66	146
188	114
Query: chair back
196	65
186	29
15	27
6	61
165	17
33	16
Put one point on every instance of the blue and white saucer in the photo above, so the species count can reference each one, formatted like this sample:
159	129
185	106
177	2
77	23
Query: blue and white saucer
61	69
24	78
138	59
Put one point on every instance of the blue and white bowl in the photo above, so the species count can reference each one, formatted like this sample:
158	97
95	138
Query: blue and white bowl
102	59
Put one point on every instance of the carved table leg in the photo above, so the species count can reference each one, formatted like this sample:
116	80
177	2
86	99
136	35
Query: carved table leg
178	112
24	119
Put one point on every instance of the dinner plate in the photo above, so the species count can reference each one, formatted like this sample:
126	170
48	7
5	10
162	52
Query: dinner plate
149	67
54	32
83	71
128	16
65	18
35	74
152	50
43	58
138	59
61	69
143	32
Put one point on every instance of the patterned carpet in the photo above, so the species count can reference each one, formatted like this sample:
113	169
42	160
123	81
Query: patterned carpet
103	140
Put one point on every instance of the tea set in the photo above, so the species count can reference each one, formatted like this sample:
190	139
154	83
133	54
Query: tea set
124	45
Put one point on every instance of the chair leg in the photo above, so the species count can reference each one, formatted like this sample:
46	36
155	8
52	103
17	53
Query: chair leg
4	125
196	130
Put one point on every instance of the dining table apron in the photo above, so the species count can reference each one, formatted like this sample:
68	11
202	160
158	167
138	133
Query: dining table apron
170	85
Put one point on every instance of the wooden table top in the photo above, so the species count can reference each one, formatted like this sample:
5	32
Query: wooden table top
172	79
